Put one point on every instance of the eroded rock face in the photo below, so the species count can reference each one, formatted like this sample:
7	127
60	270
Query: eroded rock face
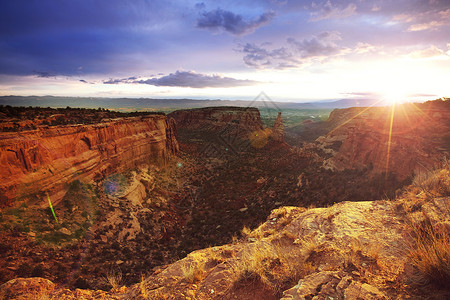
401	139
219	118
47	159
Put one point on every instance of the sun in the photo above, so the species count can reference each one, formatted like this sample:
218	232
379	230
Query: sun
393	96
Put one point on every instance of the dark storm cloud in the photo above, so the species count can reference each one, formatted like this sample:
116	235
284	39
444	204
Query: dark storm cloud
187	79
294	53
231	22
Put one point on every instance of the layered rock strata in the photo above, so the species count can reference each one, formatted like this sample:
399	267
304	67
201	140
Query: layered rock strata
219	118
49	158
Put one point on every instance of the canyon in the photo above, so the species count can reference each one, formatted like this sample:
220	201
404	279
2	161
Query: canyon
208	204
48	158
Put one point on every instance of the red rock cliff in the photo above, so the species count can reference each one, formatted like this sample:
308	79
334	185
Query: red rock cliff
402	140
48	159
217	118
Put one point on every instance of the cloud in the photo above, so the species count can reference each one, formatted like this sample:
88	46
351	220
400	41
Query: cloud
362	48
360	94
418	95
295	52
122	80
187	79
44	74
327	10
231	22
433	25
259	57
432	19
83	81
320	45
430	52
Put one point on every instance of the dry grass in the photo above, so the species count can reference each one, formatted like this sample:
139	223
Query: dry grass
193	272
257	263
142	288
246	231
434	183
432	252
113	278
276	266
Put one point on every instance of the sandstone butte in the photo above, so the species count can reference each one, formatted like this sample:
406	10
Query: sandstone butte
219	118
227	121
44	160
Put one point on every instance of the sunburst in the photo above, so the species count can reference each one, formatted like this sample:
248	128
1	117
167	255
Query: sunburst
391	124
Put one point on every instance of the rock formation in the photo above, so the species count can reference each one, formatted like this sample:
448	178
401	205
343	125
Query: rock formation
278	129
219	118
49	158
402	139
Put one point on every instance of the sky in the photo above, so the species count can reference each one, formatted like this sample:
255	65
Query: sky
291	50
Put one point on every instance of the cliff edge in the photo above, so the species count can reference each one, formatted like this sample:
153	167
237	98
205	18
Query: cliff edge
47	159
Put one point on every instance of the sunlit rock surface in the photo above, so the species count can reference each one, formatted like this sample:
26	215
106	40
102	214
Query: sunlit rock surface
46	159
401	139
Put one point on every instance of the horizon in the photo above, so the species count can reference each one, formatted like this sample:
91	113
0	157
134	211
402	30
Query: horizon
257	101
294	51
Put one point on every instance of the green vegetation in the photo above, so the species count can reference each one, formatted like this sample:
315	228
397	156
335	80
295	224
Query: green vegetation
293	117
76	213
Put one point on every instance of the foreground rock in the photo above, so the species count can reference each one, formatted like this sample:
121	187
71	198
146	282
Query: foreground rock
352	250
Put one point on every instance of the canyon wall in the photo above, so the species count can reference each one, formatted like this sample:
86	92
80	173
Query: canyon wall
49	158
402	139
219	118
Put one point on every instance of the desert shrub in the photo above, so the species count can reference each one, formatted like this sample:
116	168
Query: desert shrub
192	272
255	264
113	278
